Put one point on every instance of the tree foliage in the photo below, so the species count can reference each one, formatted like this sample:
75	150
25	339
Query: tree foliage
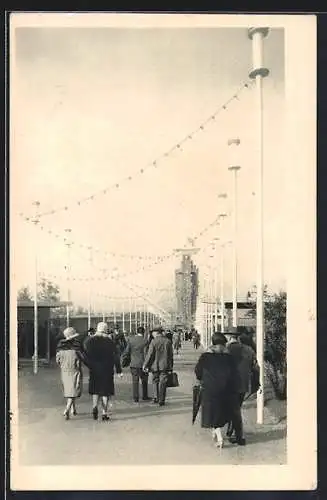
275	339
48	291
24	293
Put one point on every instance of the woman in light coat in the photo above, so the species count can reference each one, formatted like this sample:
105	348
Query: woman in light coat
69	358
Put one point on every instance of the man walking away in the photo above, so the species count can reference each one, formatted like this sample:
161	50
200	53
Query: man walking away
196	339
159	359
245	360
134	356
177	342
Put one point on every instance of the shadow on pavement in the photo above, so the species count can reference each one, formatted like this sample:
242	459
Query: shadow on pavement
263	437
126	414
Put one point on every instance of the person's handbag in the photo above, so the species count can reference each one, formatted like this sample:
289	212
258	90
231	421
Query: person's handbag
172	380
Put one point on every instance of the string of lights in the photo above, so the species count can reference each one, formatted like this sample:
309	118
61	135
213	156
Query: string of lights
154	163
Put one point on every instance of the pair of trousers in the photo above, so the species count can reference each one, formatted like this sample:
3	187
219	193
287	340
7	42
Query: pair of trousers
137	375
236	424
159	380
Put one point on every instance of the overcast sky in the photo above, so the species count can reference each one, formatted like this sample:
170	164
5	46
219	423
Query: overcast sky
91	107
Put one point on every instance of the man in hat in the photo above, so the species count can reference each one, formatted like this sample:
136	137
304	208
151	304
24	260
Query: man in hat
134	356
245	360
159	360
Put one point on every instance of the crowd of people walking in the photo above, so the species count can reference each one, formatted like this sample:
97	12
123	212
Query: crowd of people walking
225	372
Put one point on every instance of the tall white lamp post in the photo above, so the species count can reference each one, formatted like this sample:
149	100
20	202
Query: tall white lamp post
35	221
259	72
234	168
216	243
222	216
123	318
90	289
130	314
68	245
114	311
104	309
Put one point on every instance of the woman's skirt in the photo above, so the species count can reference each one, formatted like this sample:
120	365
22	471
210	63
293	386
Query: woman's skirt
215	410
101	383
72	382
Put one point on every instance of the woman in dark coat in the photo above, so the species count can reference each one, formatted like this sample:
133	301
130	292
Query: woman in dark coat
101	358
216	372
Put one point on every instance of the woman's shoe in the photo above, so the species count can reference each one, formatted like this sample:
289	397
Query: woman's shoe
74	412
66	415
105	418
95	413
219	438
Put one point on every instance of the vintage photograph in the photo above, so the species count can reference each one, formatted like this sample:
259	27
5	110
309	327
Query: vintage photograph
149	264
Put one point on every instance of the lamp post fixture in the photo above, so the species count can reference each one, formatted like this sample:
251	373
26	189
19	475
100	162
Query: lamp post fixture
259	72
234	168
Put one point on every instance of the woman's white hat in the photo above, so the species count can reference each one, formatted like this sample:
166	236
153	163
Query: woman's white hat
102	327
70	332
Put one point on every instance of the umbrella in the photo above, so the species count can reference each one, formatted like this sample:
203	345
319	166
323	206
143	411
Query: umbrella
196	401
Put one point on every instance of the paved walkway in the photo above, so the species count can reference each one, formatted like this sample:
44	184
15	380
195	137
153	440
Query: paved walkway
138	434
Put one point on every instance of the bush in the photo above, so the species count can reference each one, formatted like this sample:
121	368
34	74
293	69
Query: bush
275	341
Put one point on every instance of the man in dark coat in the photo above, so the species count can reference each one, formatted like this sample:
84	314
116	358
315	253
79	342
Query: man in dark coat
159	360
120	340
134	356
245	361
196	339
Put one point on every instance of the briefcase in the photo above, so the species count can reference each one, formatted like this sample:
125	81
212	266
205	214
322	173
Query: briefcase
172	380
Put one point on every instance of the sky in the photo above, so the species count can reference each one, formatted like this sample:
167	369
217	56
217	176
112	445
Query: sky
92	106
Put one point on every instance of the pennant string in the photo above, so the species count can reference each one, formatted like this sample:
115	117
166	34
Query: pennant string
154	163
